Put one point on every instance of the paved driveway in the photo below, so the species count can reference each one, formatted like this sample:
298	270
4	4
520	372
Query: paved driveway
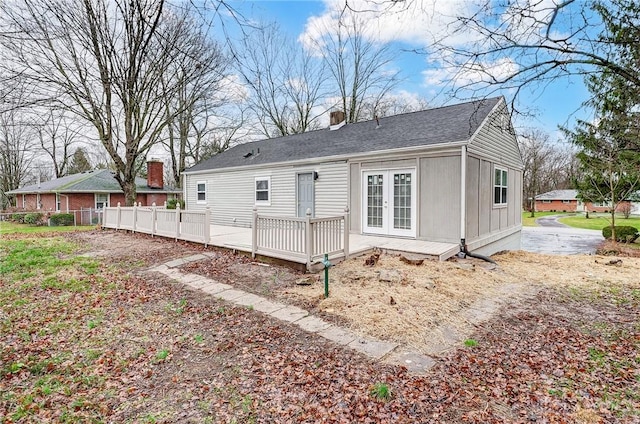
555	238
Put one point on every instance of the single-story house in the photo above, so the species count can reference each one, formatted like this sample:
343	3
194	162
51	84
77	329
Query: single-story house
559	201
451	174
568	201
92	190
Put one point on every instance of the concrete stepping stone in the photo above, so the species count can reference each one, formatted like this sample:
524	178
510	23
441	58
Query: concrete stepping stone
199	284
249	299
194	258
268	307
312	324
371	347
175	263
215	288
230	294
338	335
413	361
290	313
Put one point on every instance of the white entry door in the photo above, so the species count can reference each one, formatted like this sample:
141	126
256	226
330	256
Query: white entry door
389	202
305	194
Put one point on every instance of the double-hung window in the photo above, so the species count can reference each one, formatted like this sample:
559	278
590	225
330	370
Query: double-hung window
201	192
500	187
102	200
57	202
263	191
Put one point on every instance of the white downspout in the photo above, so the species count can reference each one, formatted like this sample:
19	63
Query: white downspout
463	196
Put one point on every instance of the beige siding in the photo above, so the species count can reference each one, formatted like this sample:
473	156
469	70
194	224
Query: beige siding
231	194
389	164
473	198
331	189
496	141
483	218
355	193
439	199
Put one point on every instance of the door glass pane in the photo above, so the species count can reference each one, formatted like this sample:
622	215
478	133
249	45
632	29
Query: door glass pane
374	201
402	201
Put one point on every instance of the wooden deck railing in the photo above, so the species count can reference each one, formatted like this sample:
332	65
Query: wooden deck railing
304	240
307	239
175	223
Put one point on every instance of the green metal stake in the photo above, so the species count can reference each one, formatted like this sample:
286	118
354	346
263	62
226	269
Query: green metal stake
327	264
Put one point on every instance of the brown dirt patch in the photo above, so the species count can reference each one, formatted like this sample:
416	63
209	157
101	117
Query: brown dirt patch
429	307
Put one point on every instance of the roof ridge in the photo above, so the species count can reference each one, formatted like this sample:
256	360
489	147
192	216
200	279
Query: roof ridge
79	180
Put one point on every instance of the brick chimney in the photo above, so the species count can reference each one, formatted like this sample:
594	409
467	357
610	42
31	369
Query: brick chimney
336	117
155	174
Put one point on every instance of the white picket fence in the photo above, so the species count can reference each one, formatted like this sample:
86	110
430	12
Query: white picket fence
175	223
304	240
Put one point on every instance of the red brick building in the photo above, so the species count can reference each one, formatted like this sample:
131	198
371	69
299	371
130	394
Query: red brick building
92	190
567	201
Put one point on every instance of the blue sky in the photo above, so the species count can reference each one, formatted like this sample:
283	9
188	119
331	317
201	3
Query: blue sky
557	104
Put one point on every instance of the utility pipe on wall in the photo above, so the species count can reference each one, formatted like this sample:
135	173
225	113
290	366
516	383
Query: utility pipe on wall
463	193
463	209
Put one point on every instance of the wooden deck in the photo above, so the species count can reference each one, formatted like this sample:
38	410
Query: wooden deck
239	238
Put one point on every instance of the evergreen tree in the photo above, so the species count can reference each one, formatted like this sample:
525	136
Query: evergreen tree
79	162
609	146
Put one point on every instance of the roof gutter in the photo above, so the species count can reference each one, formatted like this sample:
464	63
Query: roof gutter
335	158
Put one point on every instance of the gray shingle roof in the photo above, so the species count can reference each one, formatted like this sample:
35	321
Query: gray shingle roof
558	195
99	181
456	123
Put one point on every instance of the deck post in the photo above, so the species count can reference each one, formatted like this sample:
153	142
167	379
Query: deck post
177	221
347	230
207	226
308	238
134	217
118	218
254	233
153	218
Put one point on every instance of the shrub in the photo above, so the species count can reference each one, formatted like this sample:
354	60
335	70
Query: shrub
171	204
624	233
33	219
60	219
18	217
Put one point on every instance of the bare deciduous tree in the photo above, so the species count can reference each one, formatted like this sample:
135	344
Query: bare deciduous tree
361	70
56	134
198	74
547	166
101	60
517	44
16	152
285	82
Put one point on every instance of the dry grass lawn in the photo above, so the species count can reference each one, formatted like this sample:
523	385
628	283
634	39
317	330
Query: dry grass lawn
432	306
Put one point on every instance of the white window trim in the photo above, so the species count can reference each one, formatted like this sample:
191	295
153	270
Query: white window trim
58	202
546	201
24	201
198	201
255	191
504	203
95	199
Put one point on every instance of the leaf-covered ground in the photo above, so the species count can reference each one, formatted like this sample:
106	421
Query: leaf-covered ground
85	337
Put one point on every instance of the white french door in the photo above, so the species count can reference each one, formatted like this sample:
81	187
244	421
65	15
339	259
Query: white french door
389	202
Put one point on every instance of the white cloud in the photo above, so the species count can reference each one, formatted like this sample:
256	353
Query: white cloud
232	88
461	76
415	22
